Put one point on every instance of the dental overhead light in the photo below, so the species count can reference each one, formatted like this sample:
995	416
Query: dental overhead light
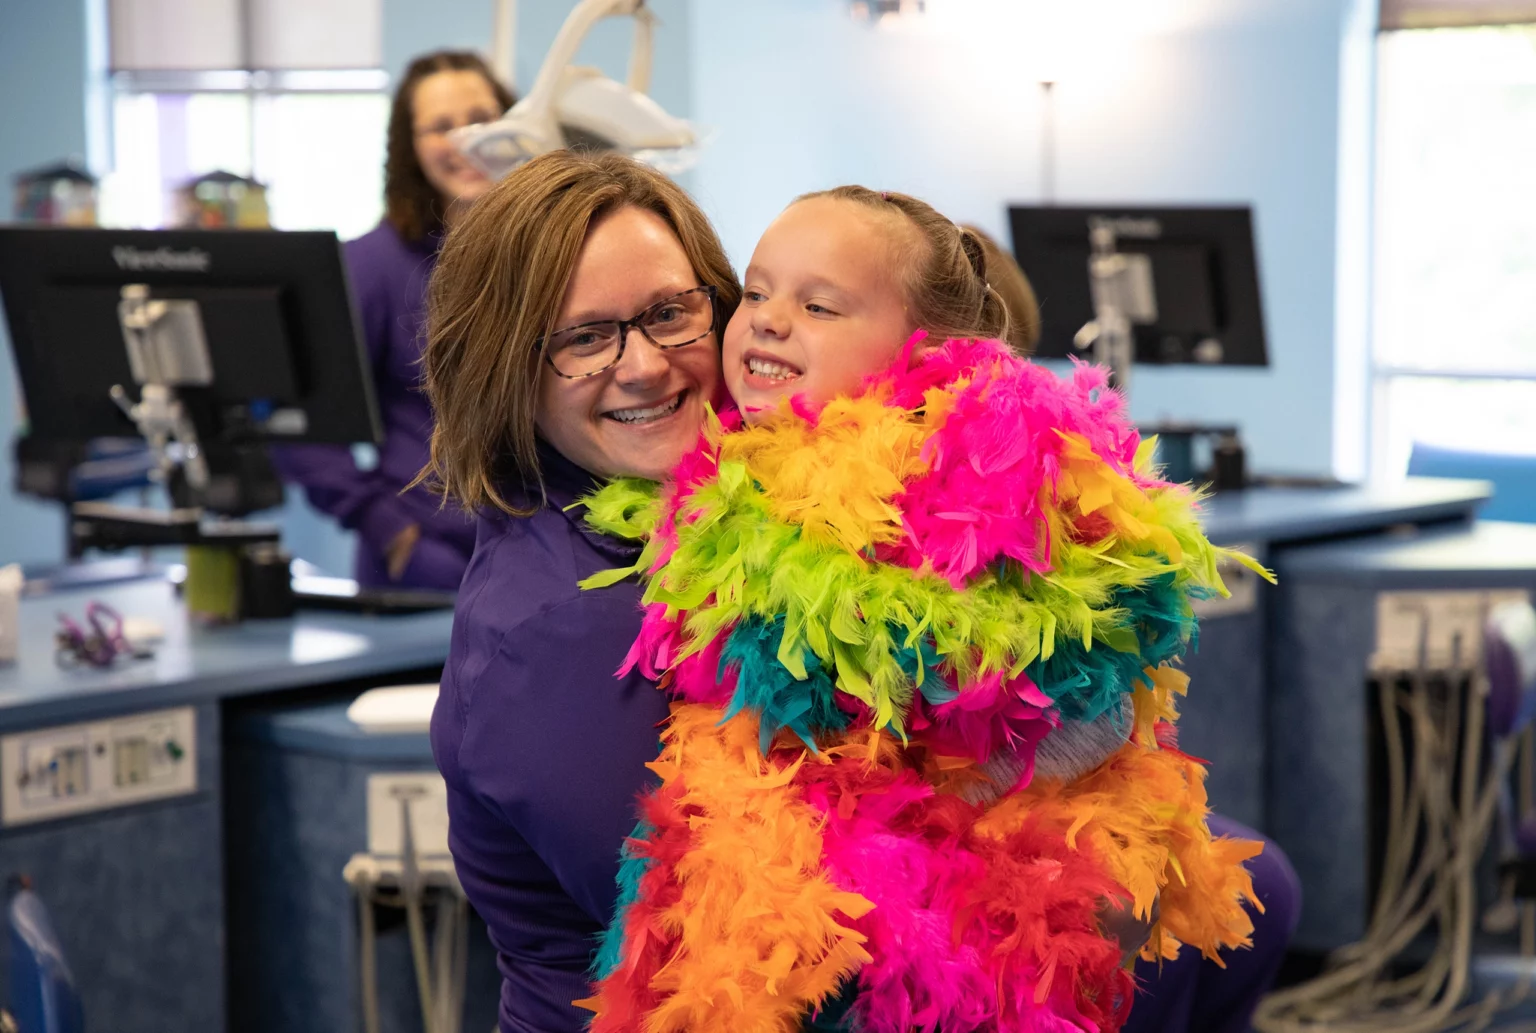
571	106
879	10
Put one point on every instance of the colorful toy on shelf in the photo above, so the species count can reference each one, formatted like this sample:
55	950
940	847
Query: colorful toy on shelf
56	195
222	200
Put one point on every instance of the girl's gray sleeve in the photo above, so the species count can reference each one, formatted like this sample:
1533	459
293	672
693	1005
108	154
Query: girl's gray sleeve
1072	750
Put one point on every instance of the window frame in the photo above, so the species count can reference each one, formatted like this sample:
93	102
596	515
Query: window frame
1387	456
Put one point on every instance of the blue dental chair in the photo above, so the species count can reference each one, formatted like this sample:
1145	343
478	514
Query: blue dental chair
1513	478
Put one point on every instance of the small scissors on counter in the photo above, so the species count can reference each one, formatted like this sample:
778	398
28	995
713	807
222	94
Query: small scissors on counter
99	644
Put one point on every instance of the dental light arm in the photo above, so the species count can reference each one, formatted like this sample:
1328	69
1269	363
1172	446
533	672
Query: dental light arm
570	105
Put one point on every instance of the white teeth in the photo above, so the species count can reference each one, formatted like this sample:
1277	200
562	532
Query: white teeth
772	370
642	415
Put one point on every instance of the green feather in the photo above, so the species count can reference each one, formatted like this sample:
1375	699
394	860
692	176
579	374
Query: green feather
1084	631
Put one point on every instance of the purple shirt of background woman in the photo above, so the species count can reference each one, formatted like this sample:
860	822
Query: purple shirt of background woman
389	280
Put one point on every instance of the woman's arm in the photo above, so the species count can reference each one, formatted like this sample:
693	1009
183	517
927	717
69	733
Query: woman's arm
556	745
358	499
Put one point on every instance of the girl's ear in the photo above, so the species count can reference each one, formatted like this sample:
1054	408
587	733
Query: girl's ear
922	349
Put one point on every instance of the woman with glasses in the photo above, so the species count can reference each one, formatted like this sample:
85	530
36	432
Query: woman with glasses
405	539
574	331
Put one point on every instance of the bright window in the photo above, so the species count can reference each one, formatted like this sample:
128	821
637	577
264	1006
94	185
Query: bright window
320	155
1454	344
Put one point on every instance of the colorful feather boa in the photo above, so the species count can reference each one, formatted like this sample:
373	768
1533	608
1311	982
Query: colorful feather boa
859	607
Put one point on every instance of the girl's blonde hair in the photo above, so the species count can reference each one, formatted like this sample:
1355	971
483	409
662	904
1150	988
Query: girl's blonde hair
943	266
496	293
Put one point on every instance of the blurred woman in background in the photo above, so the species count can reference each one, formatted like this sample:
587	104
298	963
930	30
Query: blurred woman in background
405	539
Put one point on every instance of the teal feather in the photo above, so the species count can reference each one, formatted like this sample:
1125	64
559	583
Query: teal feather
920	662
1086	682
836	1015
806	706
632	868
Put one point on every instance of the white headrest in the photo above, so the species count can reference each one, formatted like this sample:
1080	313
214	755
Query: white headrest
394	710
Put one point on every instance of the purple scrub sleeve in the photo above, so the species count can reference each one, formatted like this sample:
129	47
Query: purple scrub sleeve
389	281
1192	995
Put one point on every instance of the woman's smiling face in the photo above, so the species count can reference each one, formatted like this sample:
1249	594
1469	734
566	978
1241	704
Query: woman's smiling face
638	417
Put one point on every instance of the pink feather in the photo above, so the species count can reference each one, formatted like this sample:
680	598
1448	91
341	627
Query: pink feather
987	715
1005	427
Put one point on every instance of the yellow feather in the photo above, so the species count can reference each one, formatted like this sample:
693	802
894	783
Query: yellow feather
1142	814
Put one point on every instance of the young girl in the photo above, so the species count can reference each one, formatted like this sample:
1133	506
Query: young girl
918	604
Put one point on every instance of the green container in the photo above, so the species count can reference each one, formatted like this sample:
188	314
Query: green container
213	583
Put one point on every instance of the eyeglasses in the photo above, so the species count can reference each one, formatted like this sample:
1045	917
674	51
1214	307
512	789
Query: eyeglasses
444	126
590	348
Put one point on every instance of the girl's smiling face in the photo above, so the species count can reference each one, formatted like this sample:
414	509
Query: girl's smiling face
822	306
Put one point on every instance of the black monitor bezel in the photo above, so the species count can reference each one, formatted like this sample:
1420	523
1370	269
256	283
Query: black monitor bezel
307	266
1226	229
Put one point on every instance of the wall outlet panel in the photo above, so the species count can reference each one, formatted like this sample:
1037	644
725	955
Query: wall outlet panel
427	797
76	769
1449	622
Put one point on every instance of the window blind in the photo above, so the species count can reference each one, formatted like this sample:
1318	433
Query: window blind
1436	14
224	35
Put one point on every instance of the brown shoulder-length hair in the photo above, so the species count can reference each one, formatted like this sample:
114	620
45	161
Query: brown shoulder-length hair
411	203
501	278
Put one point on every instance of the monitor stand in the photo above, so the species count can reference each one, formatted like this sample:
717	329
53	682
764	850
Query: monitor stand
103	525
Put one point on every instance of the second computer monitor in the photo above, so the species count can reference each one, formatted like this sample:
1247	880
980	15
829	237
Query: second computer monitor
1203	269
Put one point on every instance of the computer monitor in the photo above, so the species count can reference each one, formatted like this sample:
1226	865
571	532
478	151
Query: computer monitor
282	337
1203	272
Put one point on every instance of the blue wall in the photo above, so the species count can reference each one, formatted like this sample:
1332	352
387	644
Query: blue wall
42	77
1236	101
